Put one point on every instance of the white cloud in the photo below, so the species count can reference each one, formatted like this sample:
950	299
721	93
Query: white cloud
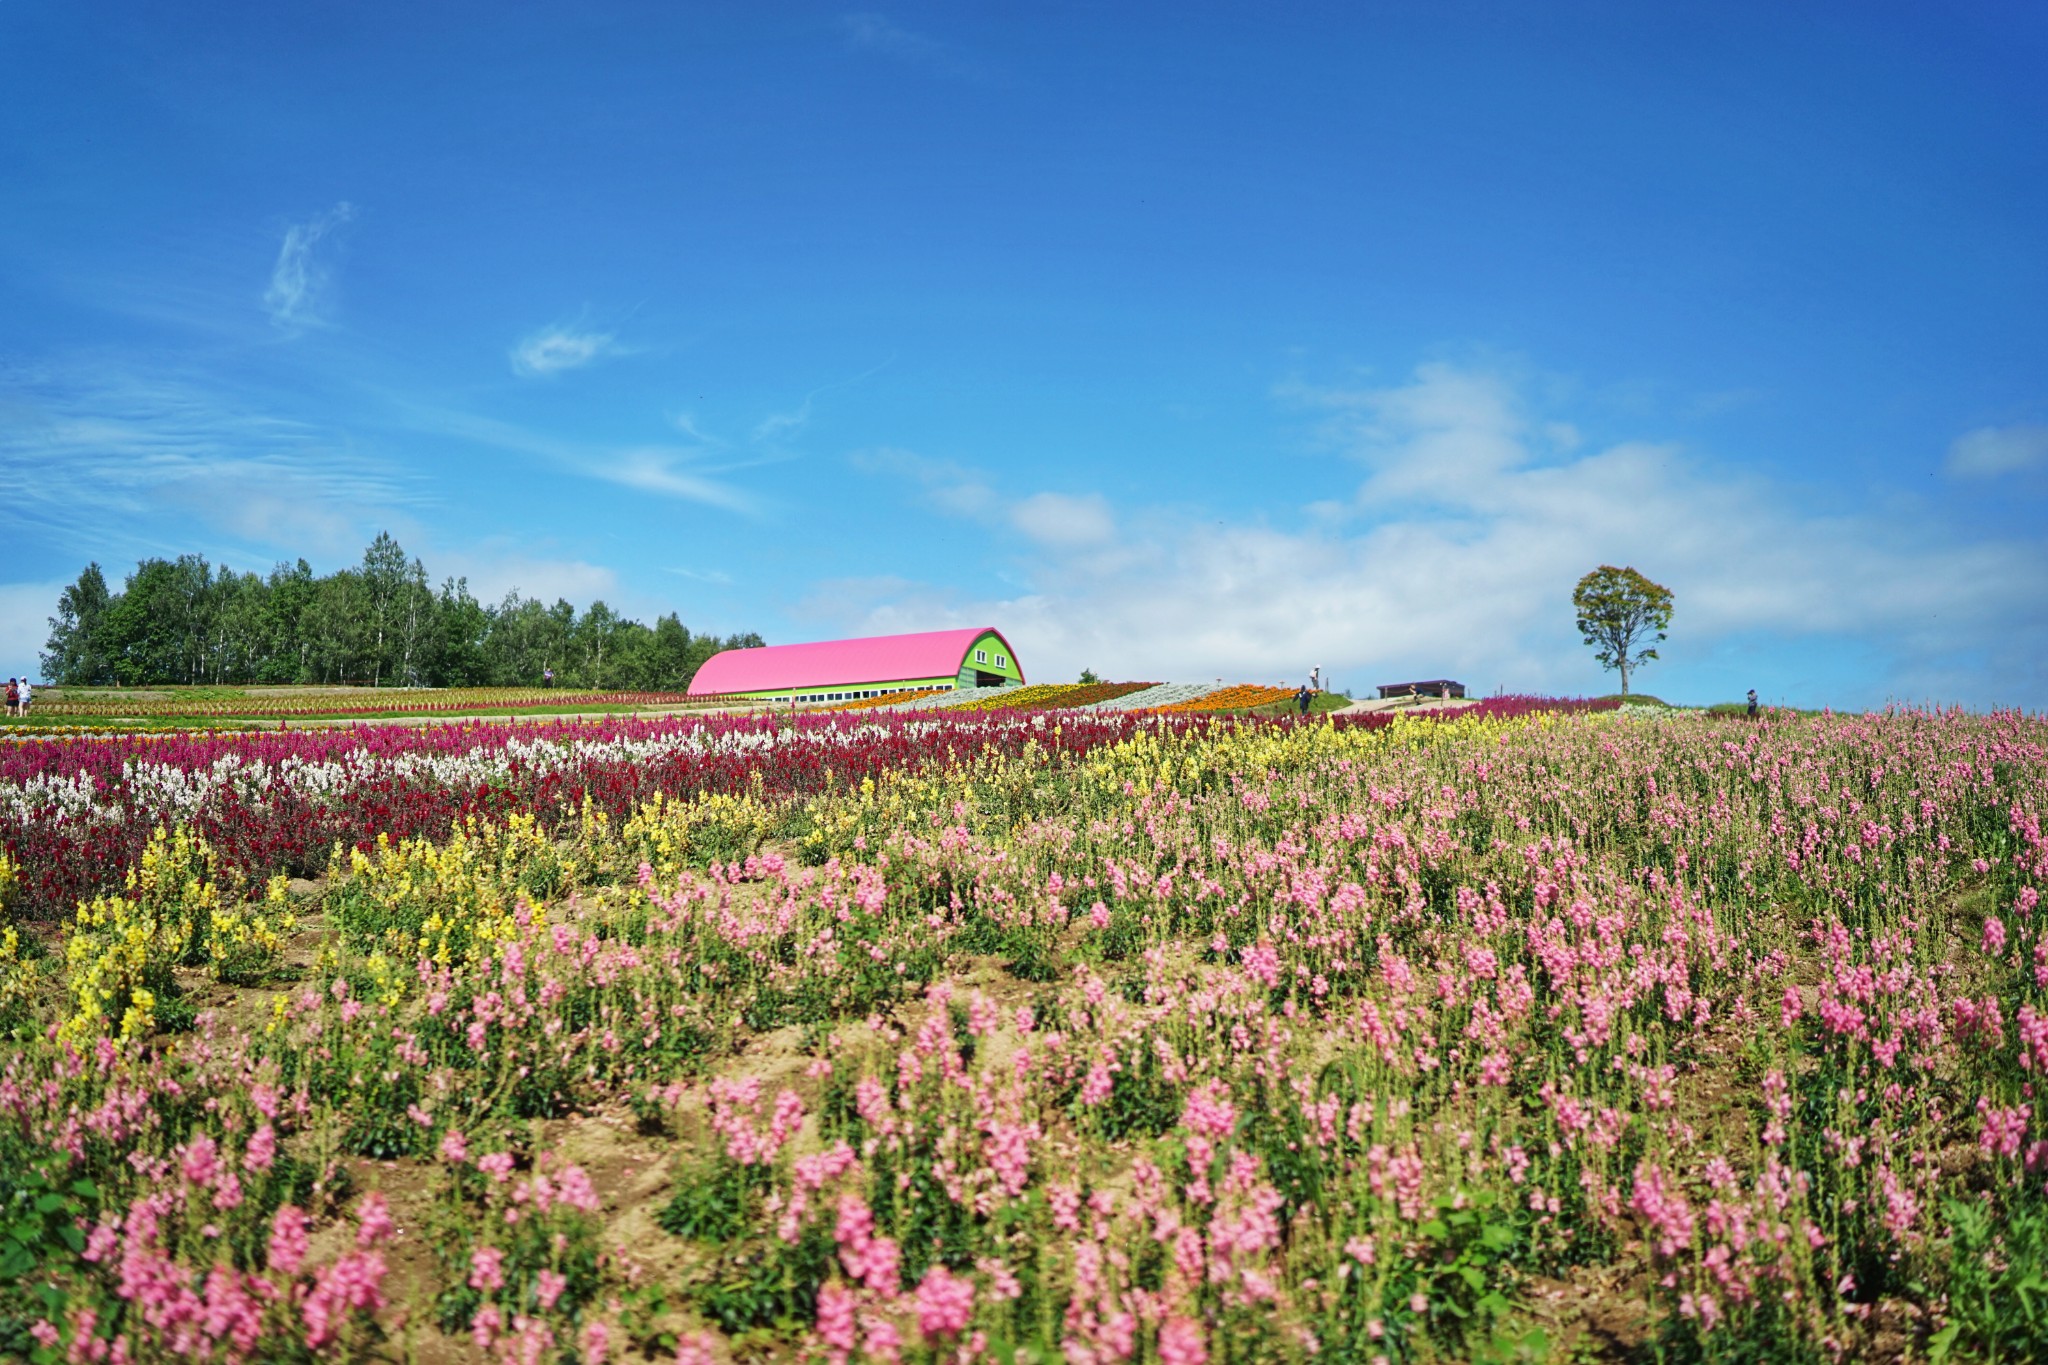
556	348
92	453
1456	556
301	278
951	488
668	470
492	574
25	612
1058	519
883	36
1990	451
654	469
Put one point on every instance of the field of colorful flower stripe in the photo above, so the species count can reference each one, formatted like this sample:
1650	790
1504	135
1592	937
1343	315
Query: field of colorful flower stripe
1526	1032
1240	697
353	702
1050	696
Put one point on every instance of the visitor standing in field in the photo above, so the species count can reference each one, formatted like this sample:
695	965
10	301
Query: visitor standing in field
1752	703
26	693
1302	698
13	697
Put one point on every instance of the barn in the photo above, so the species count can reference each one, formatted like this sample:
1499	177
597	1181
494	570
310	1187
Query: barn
844	670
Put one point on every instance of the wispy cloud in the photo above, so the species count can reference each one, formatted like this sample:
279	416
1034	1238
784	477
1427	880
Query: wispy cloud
672	471
92	451
1062	519
777	426
716	577
1989	452
878	34
949	487
1071	521
1456	551
494	571
301	279
559	347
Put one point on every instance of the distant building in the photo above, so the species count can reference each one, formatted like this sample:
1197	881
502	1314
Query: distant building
845	670
1436	687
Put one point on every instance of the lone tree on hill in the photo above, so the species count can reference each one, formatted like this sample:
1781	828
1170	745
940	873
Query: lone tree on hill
1619	609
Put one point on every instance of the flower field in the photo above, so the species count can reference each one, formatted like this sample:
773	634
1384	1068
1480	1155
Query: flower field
1523	1032
1240	697
351	702
1050	696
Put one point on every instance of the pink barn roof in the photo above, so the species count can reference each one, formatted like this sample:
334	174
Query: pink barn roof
879	659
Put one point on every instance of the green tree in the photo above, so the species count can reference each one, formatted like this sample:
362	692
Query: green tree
1619	609
462	627
184	621
287	653
75	652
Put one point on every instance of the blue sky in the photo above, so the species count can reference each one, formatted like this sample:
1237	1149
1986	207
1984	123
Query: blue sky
1178	341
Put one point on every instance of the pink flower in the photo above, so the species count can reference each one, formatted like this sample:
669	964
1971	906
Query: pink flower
355	1282
1095	1089
1180	1343
573	1187
496	1165
1663	1208
547	1288
883	1342
199	1160
880	1272
373	1220
287	1240
1994	936
835	1318
945	1303
262	1149
2003	1129
1209	1111
487	1269
695	1349
454	1147
596	1343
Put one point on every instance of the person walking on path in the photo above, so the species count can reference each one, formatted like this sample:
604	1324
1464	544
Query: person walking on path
1302	698
1752	703
13	696
26	692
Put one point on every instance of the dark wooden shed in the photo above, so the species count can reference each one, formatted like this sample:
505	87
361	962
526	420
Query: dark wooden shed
1435	687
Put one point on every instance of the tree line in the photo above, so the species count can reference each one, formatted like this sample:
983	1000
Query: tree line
379	624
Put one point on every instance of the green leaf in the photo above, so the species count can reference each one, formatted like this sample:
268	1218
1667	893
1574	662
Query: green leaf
1472	1277
1434	1228
1943	1342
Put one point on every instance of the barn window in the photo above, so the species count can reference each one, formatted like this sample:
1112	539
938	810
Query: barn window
1001	662
981	656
